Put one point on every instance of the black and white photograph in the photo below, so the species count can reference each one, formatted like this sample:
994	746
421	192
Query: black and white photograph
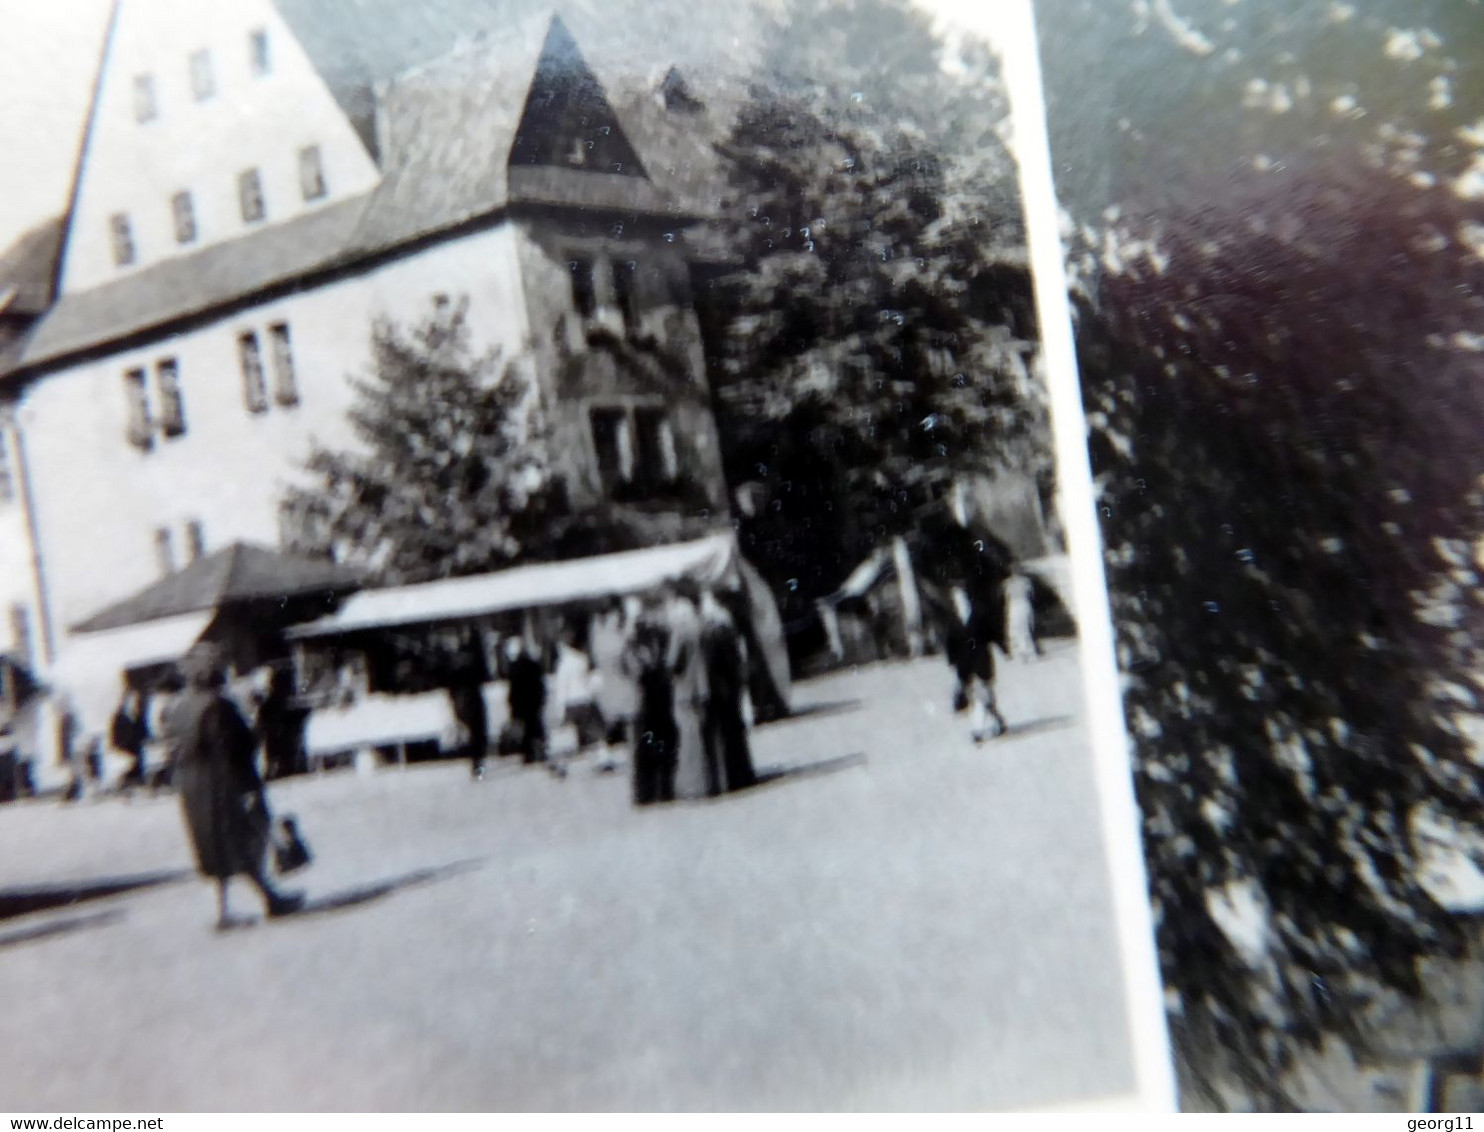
549	564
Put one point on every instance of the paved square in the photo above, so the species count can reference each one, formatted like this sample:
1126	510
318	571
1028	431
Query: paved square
899	920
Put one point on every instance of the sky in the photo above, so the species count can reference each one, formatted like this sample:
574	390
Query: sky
47	62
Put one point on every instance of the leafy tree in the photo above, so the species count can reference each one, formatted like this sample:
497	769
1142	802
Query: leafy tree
1282	365
880	332
451	475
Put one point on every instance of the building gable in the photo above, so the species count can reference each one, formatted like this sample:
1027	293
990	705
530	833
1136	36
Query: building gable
208	121
568	121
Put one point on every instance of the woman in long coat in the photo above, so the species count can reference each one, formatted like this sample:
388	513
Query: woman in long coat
221	793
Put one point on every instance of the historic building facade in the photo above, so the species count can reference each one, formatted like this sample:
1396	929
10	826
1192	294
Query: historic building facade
238	223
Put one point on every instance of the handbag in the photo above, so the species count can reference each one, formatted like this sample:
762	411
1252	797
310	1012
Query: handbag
290	851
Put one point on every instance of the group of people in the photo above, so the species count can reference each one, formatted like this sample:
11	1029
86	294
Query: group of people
665	676
689	662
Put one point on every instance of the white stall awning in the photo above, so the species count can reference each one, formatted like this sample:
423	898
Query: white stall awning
707	560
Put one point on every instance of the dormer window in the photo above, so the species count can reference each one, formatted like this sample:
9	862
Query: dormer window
250	195
262	62
145	107
121	233
203	80
311	173
183	210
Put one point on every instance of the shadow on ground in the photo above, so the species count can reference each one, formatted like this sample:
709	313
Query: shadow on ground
23	901
379	890
59	927
1035	726
772	775
809	711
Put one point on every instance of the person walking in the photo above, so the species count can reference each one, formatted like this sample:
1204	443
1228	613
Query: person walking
647	663
221	794
729	756
616	692
693	778
971	637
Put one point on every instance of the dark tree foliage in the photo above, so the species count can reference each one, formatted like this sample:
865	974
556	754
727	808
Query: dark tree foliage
451	475
1288	400
879	335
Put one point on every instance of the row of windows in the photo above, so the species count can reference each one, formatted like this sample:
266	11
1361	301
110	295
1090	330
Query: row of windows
250	200
203	76
159	407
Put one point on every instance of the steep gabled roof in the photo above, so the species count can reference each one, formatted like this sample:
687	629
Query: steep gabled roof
356	45
238	573
449	128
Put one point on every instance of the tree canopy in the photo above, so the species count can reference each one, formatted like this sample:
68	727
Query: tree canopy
880	336
1282	286
451	475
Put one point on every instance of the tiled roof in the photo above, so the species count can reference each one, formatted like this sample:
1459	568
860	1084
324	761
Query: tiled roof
179	288
238	573
448	126
358	44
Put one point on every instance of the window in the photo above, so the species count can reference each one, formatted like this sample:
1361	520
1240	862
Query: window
254	388
584	293
145	107
311	173
140	430
655	466
164	550
262	62
20	634
184	211
7	476
285	383
203	82
195	540
635	450
123	239
250	195
172	410
614	446
623	291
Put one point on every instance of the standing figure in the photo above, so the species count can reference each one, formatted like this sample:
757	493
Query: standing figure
466	694
280	727
646	662
693	778
526	681
226	812
1020	618
730	758
128	734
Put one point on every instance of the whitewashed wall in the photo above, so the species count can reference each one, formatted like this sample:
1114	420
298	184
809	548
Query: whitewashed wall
252	121
99	499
